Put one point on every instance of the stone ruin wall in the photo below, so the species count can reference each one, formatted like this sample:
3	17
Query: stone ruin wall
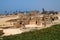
37	19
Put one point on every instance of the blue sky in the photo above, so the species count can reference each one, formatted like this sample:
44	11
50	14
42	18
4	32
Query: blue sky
27	5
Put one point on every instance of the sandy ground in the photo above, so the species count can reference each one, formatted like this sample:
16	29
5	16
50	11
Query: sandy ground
11	31
3	22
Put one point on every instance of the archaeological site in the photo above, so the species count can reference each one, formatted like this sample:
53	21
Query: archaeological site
25	20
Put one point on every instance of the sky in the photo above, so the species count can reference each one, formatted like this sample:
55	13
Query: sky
28	5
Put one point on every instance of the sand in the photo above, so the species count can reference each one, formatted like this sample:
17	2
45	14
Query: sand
3	22
10	31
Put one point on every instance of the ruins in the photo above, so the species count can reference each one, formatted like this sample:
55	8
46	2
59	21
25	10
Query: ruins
32	17
29	19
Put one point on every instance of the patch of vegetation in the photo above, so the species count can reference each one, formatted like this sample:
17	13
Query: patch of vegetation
51	33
